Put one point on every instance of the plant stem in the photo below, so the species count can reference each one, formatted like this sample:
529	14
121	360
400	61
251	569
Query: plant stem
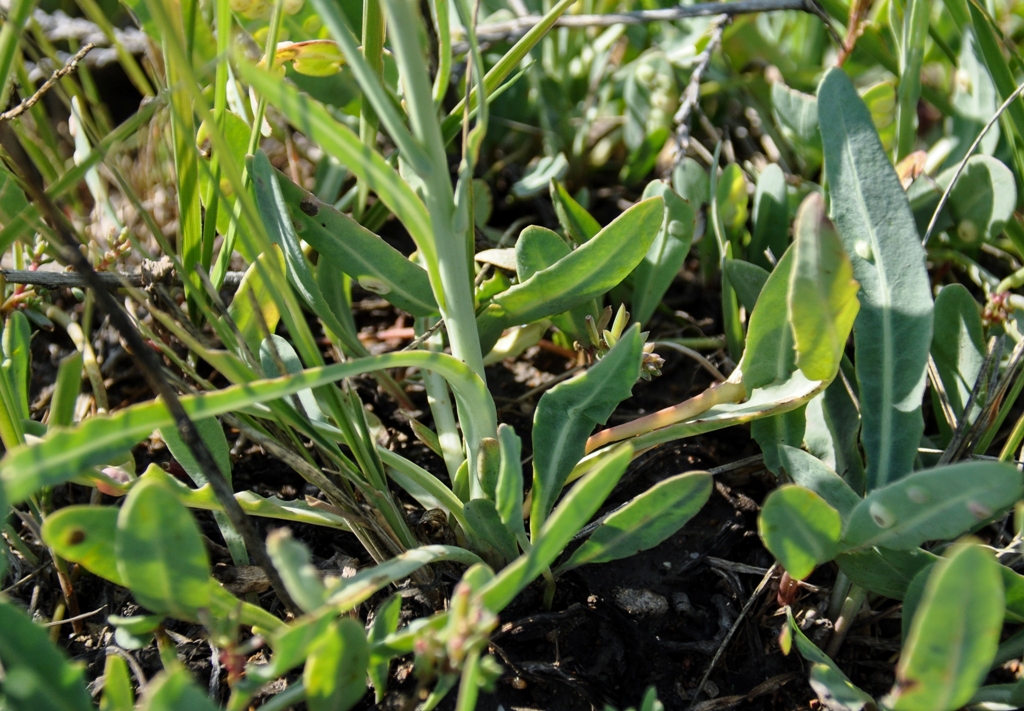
717	394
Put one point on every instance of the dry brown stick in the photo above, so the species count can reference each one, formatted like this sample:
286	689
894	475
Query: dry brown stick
109	280
520	25
31	101
68	247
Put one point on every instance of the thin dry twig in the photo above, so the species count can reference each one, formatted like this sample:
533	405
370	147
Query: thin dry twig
510	29
70	66
144	277
691	94
732	631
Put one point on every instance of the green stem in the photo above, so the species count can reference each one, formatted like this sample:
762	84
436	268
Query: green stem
456	297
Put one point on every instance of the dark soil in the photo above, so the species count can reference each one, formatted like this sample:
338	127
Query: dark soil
594	646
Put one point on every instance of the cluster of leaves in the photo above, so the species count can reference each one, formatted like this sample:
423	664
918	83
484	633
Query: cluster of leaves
867	493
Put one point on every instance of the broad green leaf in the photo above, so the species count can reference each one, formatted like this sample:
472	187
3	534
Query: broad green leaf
255	289
827	679
645	521
811	473
832	432
12	198
508	494
985	34
974	100
771	217
85	535
540	174
292	560
912	46
117	685
291	644
769	356
893	329
835	691
733	202
884	571
160	552
579	224
566	416
747	280
280	227
175	690
537	249
665	257
586	273
800	529
292	365
936	504
1013	586
212	434
796	114
690	181
575	509
822	293
351	248
982	199
772	433
342	143
958	345
385	622
63	453
486	525
66	389
36	674
880	100
954	635
335	673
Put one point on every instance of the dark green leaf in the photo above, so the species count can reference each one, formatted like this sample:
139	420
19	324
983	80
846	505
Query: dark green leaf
354	250
292	560
747	280
771	217
800	529
36	674
645	521
160	552
954	635
811	473
653	276
567	414
958	345
936	504
579	224
884	571
85	535
335	673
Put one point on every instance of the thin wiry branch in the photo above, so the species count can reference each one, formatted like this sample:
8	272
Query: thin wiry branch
31	101
512	29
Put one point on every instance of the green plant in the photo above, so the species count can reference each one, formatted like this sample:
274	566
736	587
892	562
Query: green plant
284	395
